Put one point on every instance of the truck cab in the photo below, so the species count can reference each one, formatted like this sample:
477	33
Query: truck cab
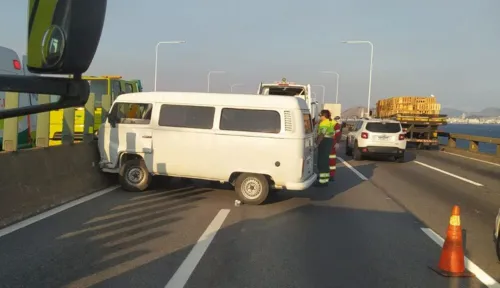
285	88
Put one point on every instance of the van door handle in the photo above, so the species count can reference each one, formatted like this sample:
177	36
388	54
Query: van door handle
147	136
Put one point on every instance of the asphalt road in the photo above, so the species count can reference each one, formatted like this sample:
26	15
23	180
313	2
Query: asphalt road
355	233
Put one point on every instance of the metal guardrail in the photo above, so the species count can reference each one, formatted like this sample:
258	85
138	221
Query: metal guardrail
11	133
474	142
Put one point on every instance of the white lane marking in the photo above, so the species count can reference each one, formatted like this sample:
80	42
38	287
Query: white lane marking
59	209
353	169
469	265
448	173
187	267
470	158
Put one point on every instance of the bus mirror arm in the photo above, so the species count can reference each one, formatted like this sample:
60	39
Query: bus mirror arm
73	92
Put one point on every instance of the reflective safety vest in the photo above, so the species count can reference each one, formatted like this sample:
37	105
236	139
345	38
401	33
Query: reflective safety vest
327	128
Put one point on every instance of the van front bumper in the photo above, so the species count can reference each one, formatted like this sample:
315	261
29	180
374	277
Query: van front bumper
301	185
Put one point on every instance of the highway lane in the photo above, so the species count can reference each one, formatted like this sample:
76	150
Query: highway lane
348	235
430	195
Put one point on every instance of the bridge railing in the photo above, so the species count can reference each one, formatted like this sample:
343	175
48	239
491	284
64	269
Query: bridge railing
42	177
18	129
473	149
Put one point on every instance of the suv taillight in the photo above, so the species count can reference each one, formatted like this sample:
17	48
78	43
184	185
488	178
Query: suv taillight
364	135
402	136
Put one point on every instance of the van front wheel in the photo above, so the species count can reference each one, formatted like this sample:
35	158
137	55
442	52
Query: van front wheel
135	176
252	188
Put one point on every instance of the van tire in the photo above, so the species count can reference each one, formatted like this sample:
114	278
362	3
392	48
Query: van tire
244	184
132	169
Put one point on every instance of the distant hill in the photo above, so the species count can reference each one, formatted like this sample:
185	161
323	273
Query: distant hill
452	112
486	112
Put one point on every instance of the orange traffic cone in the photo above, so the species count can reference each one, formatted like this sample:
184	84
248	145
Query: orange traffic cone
452	260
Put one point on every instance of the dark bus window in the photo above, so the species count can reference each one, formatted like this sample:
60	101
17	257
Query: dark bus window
99	88
263	121
381	127
129	88
197	117
307	123
116	89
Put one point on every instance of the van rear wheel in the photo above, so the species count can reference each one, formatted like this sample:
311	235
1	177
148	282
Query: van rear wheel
252	188
134	176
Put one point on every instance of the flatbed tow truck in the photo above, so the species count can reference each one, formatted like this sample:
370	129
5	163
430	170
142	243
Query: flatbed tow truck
421	130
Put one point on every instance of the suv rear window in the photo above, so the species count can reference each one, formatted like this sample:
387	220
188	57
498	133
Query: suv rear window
381	127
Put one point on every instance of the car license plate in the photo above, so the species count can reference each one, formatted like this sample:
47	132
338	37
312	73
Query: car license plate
384	137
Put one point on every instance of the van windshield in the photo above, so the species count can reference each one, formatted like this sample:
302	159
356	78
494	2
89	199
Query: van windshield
307	123
382	127
283	90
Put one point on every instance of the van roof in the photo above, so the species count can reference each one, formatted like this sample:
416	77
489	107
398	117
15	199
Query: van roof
226	99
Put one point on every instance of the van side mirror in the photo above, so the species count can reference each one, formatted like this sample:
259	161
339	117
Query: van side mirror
63	36
112	120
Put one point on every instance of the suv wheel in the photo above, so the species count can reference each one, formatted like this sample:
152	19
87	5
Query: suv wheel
357	153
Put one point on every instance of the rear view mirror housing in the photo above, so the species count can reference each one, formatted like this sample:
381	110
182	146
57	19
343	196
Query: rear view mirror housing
63	36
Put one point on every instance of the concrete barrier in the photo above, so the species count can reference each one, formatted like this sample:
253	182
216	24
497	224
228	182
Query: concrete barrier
35	180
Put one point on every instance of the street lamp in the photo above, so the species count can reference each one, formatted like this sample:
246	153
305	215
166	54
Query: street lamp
371	67
324	89
338	83
208	77
156	54
235	85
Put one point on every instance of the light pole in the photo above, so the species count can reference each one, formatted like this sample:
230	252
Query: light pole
338	83
324	89
235	85
156	54
371	67
208	77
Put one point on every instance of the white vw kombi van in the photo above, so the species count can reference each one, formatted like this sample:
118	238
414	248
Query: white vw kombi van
254	142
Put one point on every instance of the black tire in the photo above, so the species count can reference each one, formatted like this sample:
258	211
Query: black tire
243	186
357	153
134	176
497	248
399	159
348	151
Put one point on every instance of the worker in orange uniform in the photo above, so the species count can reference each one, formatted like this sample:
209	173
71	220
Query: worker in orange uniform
336	143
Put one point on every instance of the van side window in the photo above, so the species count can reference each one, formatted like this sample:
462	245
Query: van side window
184	116
132	113
263	121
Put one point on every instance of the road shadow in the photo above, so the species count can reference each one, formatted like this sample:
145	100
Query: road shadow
309	246
410	155
345	179
104	241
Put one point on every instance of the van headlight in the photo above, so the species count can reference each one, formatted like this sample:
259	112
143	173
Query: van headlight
96	134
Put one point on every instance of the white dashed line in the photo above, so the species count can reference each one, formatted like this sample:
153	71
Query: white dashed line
448	173
187	267
59	209
486	279
470	158
361	176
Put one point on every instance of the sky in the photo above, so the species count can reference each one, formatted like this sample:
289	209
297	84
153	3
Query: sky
442	47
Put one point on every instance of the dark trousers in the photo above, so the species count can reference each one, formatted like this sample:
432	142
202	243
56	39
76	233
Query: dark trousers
324	149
